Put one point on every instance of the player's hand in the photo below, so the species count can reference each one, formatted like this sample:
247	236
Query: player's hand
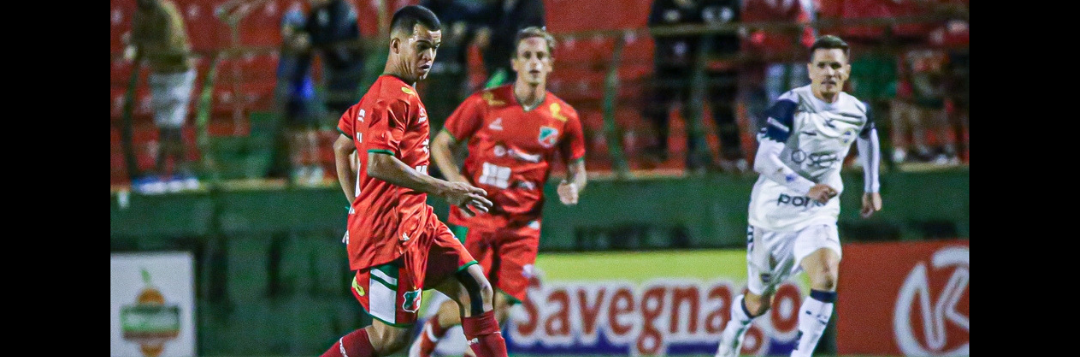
568	193
468	198
822	193
871	202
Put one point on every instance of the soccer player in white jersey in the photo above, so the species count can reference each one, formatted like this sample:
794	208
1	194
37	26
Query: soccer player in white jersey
793	206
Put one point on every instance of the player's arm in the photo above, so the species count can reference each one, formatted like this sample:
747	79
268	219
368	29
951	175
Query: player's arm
386	128
576	179
453	138
870	154
387	167
572	147
778	125
443	150
343	150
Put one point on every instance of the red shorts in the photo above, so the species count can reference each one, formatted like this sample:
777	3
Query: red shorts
392	292
506	254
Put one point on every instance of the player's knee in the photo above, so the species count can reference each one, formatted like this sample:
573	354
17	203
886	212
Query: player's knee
485	290
757	304
503	305
824	279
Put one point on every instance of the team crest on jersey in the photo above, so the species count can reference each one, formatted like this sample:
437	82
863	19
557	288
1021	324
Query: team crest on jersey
555	108
548	136
490	99
408	90
412	300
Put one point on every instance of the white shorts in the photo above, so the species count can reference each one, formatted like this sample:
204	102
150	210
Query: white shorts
773	257
170	94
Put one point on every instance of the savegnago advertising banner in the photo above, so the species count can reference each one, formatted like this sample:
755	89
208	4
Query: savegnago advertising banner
655	303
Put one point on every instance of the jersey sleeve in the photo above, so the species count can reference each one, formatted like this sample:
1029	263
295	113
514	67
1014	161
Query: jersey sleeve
466	119
572	145
386	126
779	120
347	123
869	126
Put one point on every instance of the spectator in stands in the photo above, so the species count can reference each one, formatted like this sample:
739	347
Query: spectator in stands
775	62
296	98
496	38
447	84
159	38
333	33
919	109
674	64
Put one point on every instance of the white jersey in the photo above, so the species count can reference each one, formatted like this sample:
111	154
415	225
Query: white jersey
816	138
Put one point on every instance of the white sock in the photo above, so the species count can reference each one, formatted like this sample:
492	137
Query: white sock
813	317
738	312
731	337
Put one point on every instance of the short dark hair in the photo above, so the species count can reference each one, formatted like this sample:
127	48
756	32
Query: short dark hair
406	18
830	42
534	31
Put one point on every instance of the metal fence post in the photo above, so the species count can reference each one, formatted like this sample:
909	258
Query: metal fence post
611	129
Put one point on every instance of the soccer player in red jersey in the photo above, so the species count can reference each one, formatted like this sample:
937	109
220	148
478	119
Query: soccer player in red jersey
396	244
513	133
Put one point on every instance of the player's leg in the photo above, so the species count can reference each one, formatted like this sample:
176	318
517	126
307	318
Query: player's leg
392	307
722	100
379	339
657	111
448	315
898	113
819	248
472	291
763	273
474	296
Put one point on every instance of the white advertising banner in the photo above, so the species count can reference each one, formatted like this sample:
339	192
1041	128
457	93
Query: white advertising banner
152	305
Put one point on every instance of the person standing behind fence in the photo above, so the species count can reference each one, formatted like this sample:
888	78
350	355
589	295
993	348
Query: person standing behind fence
775	52
159	38
296	97
447	85
497	38
673	70
334	32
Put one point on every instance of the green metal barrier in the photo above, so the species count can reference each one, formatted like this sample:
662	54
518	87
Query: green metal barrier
271	269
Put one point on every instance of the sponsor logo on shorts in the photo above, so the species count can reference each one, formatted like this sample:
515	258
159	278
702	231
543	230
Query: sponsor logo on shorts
797	201
766	278
359	289
412	300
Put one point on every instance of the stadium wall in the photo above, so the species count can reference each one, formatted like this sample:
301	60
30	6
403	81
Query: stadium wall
270	269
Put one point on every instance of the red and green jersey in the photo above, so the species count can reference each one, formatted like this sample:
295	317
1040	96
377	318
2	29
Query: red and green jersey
385	218
511	151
